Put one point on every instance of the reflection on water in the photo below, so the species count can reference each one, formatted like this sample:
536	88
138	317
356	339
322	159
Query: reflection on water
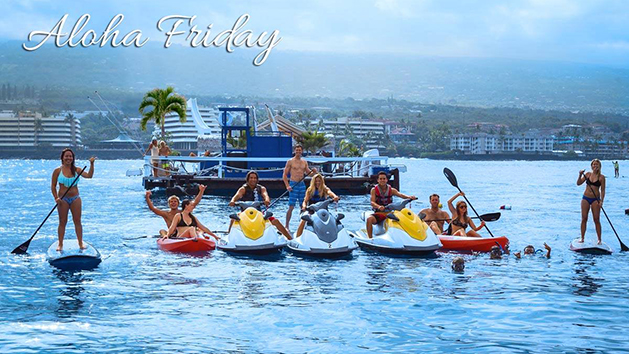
69	299
585	285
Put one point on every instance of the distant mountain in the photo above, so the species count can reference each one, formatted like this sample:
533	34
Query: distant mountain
212	71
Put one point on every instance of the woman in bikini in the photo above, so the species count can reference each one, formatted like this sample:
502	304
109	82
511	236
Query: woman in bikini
460	220
316	192
185	224
65	176
592	197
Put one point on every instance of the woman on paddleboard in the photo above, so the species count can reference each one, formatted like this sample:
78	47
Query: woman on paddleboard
66	177
592	197
460	219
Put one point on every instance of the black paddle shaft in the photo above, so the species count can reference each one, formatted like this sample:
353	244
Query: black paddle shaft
623	247
21	249
452	179
283	194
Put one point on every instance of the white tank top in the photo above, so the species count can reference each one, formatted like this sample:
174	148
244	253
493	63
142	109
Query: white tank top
154	151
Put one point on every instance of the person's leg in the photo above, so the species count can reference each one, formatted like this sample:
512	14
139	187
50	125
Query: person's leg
154	169
473	233
596	216
585	209
435	228
281	228
75	208
190	232
459	232
231	222
300	229
62	209
370	221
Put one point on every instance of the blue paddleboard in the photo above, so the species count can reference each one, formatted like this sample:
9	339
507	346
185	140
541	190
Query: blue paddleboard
71	257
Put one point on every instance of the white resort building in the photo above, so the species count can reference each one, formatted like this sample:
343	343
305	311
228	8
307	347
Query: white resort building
28	130
202	123
483	143
358	127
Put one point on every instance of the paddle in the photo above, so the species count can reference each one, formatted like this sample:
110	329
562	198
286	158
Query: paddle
283	194
21	249
623	247
452	179
485	217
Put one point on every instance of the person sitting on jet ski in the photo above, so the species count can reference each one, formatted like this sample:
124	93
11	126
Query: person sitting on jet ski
381	196
316	192
251	191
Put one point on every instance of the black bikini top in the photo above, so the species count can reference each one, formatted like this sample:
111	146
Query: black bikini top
459	224
182	223
590	183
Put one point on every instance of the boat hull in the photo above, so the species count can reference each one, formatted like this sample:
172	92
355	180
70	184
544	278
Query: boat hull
197	245
471	244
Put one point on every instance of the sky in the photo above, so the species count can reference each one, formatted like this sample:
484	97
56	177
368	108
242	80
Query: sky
586	31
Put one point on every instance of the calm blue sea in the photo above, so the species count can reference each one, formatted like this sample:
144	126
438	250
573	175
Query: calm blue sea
143	300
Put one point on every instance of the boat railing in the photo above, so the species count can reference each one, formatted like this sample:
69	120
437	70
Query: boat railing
218	165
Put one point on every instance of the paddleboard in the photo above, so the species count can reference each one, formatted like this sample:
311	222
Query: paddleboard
71	257
590	247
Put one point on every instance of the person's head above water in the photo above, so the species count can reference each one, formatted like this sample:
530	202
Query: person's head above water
529	249
458	264
496	253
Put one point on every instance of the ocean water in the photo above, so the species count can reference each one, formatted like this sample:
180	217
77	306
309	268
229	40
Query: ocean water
143	300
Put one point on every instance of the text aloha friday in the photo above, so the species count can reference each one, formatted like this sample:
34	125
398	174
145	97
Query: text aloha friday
230	38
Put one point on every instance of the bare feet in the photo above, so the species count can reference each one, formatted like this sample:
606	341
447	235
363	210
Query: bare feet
81	246
581	240
600	242
60	247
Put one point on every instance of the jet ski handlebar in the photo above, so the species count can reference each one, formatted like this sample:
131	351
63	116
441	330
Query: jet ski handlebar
245	205
320	205
398	205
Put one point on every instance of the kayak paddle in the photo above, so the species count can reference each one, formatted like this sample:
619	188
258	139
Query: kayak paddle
21	249
283	194
623	247
485	217
452	179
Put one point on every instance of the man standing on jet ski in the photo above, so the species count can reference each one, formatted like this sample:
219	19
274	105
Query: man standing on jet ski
381	196
251	191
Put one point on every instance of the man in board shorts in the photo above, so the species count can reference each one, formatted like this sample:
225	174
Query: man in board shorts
381	196
298	169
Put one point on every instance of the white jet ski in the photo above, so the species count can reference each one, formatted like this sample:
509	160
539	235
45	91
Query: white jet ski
252	232
323	235
401	233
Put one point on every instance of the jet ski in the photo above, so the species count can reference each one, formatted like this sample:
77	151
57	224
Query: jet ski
401	233
252	232
324	235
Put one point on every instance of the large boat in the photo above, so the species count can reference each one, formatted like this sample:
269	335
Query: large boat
244	149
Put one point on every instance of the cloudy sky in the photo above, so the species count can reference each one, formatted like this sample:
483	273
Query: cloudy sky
590	31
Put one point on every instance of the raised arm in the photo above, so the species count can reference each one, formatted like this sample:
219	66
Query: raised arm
547	247
237	196
53	184
581	177
451	206
152	207
89	173
199	196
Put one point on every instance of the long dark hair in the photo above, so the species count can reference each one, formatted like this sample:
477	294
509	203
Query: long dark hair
184	204
461	216
73	168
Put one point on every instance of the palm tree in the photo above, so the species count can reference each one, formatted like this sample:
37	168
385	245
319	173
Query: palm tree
163	102
70	119
38	127
313	141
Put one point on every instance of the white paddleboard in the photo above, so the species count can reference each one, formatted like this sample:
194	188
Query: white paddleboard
590	247
72	257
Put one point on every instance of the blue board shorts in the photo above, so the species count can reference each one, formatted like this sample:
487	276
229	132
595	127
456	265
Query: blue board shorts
297	194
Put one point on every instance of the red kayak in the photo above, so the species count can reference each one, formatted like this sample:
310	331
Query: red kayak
187	245
471	244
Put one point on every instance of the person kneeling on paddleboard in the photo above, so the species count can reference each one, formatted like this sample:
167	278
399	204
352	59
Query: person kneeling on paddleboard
460	219
381	196
592	197
316	192
173	203
530	250
185	225
251	191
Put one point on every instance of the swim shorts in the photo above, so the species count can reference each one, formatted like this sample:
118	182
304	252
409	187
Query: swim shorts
297	194
380	217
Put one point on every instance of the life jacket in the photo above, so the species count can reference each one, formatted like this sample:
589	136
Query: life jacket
252	194
385	199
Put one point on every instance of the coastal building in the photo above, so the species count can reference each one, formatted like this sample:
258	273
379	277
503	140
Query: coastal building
341	128
202	123
483	143
28	130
